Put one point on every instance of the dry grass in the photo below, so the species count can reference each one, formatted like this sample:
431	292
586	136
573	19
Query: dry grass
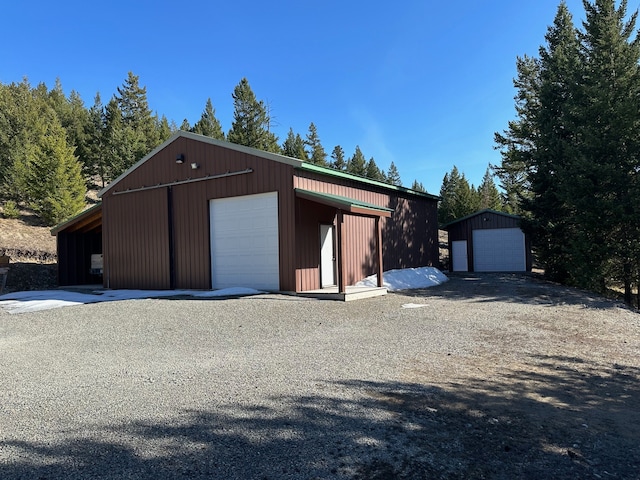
27	240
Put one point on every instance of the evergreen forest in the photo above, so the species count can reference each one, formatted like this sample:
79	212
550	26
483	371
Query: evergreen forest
53	149
570	159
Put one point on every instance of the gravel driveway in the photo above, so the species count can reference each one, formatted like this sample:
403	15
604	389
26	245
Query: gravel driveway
494	376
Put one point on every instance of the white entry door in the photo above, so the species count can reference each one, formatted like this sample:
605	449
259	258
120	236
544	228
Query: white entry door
327	256
244	242
459	261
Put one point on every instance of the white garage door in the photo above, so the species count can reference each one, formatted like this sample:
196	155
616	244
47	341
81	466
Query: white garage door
244	242
499	250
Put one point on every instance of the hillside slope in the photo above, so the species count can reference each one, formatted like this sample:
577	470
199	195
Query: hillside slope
32	251
25	241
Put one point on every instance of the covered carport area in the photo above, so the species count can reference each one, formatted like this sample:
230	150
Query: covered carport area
346	262
79	248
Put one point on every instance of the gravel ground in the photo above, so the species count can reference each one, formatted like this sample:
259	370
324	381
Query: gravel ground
494	376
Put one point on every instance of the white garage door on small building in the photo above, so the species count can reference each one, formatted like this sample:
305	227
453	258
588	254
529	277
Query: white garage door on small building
499	250
244	242
495	242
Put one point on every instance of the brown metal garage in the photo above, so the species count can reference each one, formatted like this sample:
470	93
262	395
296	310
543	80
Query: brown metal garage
157	221
488	241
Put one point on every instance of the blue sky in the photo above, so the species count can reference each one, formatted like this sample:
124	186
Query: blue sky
424	84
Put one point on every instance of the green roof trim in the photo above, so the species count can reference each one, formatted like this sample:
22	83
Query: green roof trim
344	203
310	167
480	212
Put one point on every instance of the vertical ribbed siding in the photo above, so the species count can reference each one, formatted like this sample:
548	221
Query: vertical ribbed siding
409	237
309	216
191	242
136	240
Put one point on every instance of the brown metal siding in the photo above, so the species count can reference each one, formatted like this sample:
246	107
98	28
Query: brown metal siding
136	240
190	212
410	236
309	216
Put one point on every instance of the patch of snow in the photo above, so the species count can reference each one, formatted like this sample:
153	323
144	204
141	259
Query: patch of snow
34	301
414	305
407	278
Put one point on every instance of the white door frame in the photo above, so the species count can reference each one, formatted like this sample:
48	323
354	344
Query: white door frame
327	256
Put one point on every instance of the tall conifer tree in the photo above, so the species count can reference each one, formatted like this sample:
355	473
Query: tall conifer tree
251	122
357	164
293	146
393	175
208	124
338	161
317	155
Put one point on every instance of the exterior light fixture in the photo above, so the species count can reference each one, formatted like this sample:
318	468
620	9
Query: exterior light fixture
194	166
180	158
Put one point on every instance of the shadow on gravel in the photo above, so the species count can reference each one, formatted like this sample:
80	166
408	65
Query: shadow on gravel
553	417
515	288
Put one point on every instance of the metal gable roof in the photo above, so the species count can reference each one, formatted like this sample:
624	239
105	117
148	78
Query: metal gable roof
296	163
480	212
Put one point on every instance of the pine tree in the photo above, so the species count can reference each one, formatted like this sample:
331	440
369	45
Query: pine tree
488	194
163	128
605	175
56	186
95	161
337	159
393	175
459	199
357	164
446	206
575	145
517	144
251	122
548	215
208	124
185	126
373	172
138	122
317	155
119	142
418	187
293	146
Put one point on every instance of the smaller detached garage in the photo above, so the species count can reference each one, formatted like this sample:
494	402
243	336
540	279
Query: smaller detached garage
488	241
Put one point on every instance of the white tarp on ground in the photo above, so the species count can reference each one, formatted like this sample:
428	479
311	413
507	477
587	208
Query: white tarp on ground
33	301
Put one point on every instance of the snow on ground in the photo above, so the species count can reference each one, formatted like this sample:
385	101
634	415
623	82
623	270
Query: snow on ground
406	279
33	301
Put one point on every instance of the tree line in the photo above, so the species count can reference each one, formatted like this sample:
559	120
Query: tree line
53	148
571	157
459	198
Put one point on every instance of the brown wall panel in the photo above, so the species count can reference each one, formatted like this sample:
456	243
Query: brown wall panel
136	240
409	237
190	207
309	216
136	219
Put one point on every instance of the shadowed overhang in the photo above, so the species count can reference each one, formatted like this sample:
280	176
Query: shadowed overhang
345	204
87	221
